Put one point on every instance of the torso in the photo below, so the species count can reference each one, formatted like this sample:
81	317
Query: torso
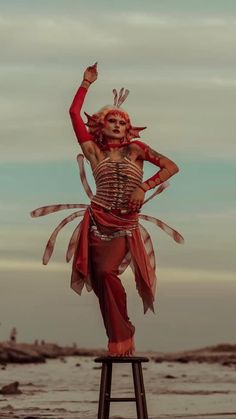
115	180
117	154
117	171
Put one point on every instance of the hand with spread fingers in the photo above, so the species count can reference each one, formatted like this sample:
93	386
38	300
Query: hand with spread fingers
136	200
91	74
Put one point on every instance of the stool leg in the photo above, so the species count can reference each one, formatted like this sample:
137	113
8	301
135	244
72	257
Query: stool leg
103	384
108	391
138	391
143	391
105	391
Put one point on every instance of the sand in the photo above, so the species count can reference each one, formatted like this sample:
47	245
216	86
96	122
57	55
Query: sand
68	387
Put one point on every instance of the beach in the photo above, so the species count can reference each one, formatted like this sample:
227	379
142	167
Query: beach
177	386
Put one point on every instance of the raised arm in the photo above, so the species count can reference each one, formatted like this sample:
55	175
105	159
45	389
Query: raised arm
83	136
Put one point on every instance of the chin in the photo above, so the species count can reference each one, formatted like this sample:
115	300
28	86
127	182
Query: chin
116	137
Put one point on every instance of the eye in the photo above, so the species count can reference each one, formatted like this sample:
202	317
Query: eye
122	123
111	120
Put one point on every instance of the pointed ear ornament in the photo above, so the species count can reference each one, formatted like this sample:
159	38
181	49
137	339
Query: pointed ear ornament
94	125
134	132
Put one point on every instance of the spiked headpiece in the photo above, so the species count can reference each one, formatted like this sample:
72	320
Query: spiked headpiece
95	122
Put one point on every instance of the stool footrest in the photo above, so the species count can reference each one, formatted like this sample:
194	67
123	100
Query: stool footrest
121	399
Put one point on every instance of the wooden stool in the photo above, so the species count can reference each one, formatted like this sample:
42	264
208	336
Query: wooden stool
105	385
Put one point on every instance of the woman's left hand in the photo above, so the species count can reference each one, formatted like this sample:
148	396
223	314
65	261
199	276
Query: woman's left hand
136	200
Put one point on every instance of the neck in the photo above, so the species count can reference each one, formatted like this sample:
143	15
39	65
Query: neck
110	140
112	143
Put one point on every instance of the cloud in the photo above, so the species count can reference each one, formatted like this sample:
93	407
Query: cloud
181	76
185	274
221	215
144	19
18	265
117	37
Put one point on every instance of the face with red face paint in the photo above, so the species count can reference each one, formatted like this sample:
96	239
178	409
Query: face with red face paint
114	126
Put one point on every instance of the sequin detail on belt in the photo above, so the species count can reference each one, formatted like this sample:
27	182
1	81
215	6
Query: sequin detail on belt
108	237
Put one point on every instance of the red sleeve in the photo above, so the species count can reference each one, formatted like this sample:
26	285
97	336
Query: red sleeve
80	129
143	146
167	167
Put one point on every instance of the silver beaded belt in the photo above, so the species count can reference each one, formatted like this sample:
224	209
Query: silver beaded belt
110	236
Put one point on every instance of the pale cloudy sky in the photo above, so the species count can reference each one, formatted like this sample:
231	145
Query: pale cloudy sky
178	59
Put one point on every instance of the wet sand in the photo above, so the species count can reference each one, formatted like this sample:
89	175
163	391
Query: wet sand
68	387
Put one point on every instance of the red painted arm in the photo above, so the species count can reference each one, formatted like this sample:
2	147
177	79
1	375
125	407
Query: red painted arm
78	124
167	167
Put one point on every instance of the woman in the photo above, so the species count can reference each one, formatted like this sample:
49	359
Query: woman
117	165
110	238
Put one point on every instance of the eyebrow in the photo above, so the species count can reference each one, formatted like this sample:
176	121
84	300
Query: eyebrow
120	119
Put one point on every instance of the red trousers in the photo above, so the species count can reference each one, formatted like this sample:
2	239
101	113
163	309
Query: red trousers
95	265
106	256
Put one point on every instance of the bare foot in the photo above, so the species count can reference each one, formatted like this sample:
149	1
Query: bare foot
129	352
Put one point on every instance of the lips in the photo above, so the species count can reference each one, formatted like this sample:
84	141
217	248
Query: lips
117	131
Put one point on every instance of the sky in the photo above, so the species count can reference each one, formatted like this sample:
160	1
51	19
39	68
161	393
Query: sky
177	59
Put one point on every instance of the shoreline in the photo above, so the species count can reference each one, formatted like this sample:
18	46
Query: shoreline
25	353
69	389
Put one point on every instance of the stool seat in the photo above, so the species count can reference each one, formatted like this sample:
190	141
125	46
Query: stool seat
121	359
105	385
